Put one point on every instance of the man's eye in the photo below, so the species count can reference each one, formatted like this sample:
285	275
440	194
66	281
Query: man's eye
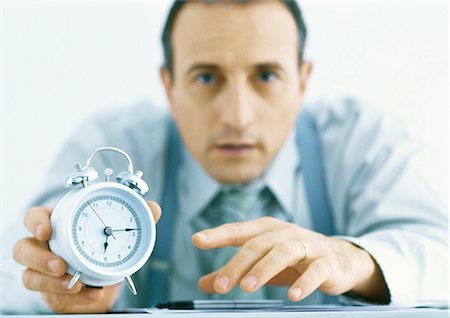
267	76
206	79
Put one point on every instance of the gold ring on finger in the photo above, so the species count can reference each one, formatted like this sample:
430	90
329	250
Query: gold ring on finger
306	252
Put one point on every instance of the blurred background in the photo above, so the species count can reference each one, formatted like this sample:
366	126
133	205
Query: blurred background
63	61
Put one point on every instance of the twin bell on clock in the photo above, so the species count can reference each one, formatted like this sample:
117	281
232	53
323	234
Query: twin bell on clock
104	230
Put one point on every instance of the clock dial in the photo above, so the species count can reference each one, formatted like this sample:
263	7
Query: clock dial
106	230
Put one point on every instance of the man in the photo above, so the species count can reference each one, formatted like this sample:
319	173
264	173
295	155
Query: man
235	78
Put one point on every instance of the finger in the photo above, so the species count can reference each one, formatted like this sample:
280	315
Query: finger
206	283
317	273
37	221
233	234
281	256
35	255
37	281
65	303
70	304
110	295
285	278
156	210
247	256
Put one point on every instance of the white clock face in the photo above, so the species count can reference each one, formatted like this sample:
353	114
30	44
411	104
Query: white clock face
110	229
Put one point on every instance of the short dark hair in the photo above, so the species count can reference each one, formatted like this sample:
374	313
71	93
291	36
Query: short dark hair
291	5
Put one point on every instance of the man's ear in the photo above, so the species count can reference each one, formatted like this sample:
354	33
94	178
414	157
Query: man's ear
305	72
167	81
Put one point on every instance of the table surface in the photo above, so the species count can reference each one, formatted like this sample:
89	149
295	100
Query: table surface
398	313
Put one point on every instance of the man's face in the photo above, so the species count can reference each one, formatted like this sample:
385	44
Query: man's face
237	85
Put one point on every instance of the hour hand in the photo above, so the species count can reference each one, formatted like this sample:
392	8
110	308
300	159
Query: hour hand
106	243
108	231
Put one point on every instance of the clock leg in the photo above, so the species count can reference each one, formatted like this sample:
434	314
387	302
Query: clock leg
74	279
131	285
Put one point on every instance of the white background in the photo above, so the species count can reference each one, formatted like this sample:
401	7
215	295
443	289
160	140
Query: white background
63	61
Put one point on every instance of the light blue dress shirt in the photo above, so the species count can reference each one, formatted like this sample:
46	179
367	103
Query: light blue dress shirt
380	200
281	178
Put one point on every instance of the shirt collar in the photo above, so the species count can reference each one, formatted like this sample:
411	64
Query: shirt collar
281	175
198	188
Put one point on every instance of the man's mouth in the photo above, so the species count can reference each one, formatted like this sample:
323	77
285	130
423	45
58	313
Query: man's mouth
236	148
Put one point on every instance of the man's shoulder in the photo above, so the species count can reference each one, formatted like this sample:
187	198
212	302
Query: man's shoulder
134	126
139	129
142	116
356	124
357	139
342	112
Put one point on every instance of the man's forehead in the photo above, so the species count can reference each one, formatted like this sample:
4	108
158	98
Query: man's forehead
223	30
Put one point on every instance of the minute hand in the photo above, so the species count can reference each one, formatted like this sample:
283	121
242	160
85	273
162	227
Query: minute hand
126	230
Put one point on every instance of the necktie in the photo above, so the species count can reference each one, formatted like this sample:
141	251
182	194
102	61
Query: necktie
234	204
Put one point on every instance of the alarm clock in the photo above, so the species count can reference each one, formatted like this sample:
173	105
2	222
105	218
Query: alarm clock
104	230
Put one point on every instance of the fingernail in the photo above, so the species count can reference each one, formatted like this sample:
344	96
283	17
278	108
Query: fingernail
250	282
53	265
296	292
200	236
65	284
38	230
92	294
222	282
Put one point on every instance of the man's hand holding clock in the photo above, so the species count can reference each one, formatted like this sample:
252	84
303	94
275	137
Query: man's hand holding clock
46	272
70	251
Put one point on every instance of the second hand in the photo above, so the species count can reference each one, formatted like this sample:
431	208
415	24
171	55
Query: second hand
100	218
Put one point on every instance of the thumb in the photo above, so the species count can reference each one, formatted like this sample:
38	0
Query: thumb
206	283
156	210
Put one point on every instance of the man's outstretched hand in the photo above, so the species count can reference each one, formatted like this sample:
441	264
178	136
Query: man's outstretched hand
275	252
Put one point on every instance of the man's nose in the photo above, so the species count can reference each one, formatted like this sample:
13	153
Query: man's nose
238	110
